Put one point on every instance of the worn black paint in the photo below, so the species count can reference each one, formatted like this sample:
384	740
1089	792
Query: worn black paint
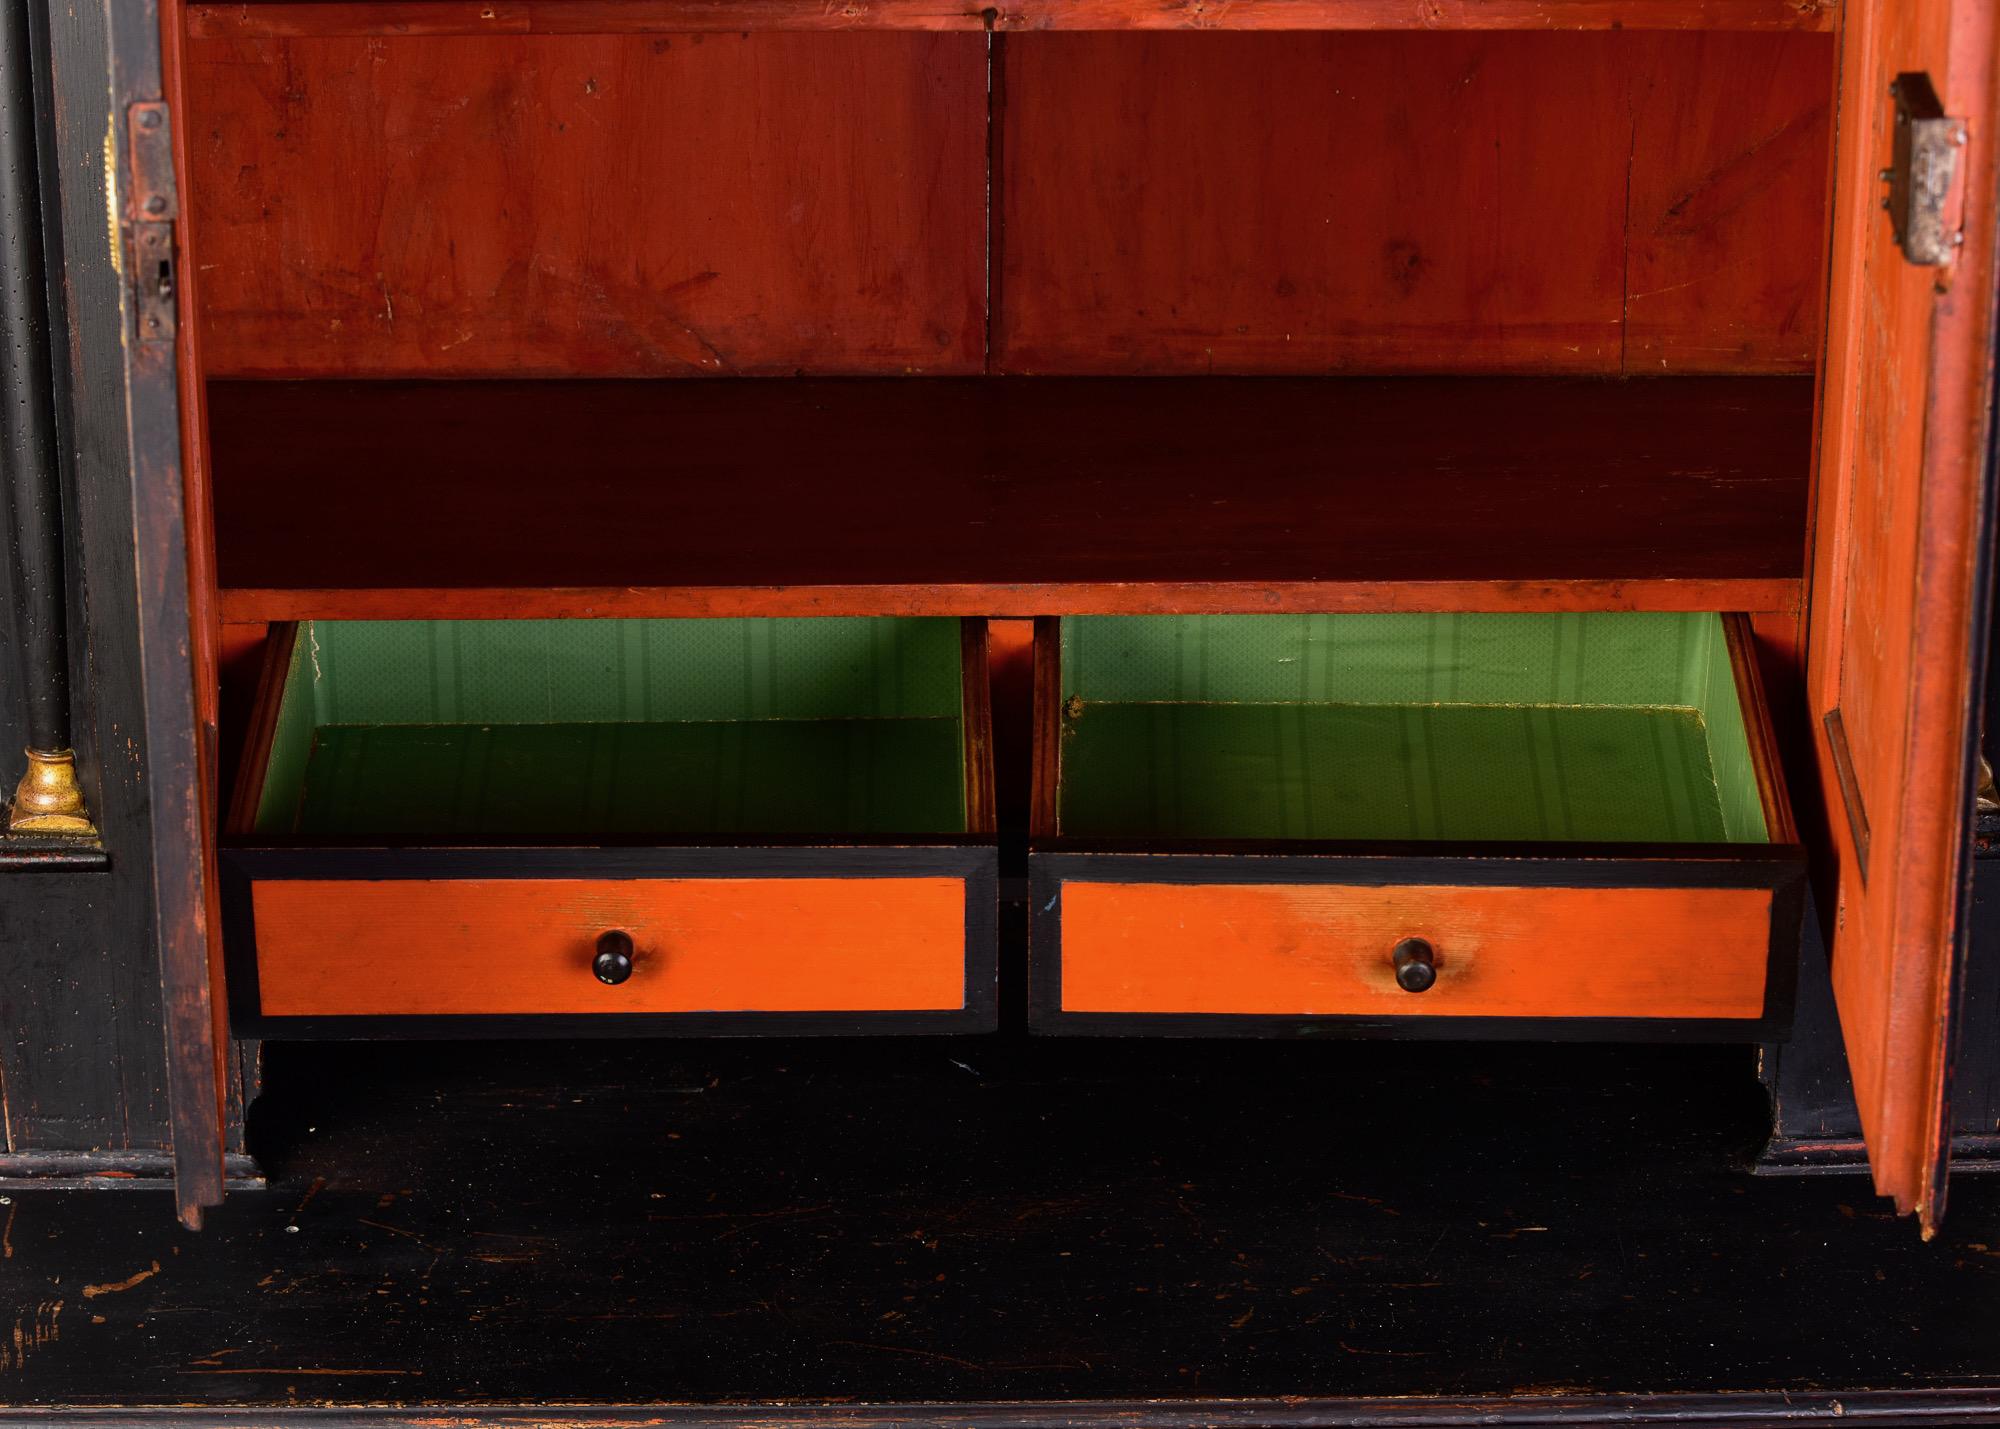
197	1083
82	1058
82	1046
1011	1219
1524	1411
26	852
28	454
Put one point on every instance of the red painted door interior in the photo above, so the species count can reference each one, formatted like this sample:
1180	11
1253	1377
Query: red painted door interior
1903	529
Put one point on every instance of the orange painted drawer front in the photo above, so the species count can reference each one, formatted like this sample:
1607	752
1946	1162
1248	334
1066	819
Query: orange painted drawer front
473	946
1326	950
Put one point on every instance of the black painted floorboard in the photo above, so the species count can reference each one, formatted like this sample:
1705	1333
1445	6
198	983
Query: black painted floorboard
996	1219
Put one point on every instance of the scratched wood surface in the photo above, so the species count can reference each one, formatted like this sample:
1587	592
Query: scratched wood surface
587	205
1438	202
997	1219
776	203
1726	220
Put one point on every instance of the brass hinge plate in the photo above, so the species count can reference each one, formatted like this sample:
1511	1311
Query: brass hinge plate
149	138
1927	143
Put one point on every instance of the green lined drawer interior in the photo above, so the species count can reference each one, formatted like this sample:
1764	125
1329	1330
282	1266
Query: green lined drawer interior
619	727
1597	727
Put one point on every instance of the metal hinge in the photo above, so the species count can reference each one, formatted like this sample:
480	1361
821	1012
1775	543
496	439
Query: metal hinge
1927	142
155	206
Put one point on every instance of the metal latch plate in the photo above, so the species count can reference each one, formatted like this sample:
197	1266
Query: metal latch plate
1927	142
153	280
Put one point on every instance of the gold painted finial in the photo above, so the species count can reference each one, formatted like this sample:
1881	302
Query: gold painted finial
48	799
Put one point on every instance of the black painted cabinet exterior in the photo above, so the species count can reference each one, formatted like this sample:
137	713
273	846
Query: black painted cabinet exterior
82	1048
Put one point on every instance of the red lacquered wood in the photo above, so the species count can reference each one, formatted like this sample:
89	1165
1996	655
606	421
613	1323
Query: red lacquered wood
1900	536
263	700
1005	497
1353	202
1005	601
468	17
1765	760
243	648
745	236
1726	219
580	206
1046	767
1263	203
976	718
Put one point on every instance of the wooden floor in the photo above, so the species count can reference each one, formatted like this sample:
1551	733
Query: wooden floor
970	1222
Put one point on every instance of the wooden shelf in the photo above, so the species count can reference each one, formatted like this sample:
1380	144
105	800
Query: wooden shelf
245	19
1007	496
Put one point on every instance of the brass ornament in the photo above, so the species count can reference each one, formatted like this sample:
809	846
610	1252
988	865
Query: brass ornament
48	800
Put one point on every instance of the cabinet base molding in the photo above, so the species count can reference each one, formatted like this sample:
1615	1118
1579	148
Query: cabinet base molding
1931	1406
110	1171
1807	1156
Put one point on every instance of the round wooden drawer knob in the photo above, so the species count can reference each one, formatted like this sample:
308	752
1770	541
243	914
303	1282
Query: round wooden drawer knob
613	963
1416	965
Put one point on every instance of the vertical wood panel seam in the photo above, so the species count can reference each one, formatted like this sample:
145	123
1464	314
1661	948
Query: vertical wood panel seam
1625	246
996	104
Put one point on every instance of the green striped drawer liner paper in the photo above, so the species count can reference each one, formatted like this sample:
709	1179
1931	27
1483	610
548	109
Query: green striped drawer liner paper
1601	727
579	728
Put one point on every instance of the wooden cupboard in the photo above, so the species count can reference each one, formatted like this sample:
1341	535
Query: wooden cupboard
1567	317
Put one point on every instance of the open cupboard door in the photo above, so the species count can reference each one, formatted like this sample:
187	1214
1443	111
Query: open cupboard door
174	650
1898	577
